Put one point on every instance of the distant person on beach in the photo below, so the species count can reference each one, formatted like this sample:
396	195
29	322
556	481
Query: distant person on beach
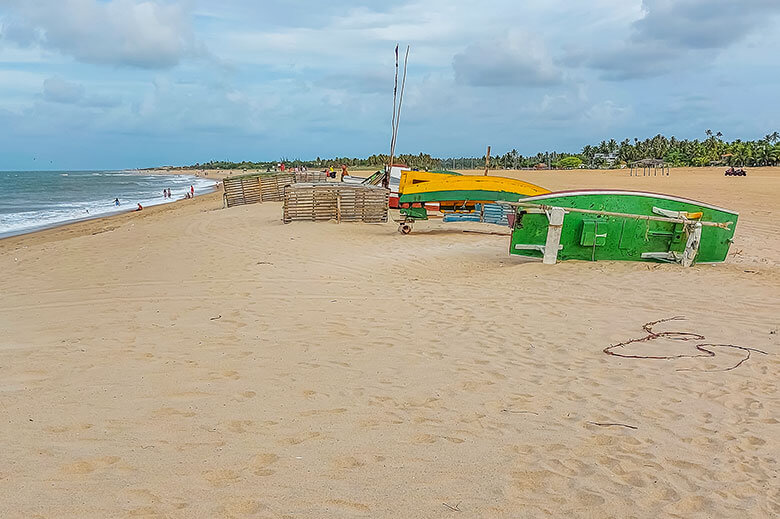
192	191
344	172
169	192
116	201
165	193
140	207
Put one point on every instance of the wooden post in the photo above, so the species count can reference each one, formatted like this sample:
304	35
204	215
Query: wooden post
482	205
692	245
555	216
338	207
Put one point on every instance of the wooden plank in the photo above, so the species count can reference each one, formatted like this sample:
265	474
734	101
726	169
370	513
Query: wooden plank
340	202
553	235
724	225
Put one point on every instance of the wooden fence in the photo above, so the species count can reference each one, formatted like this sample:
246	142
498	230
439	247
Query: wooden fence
264	187
338	201
311	176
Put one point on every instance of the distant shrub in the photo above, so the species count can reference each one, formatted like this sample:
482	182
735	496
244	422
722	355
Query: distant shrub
570	163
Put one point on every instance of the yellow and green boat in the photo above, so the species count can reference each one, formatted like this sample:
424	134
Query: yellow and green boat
423	191
621	225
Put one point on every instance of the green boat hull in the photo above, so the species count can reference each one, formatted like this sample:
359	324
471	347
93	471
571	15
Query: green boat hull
459	199
591	237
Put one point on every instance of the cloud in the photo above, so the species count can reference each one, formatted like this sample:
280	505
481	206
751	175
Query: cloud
150	34
672	32
58	90
308	78
701	24
514	60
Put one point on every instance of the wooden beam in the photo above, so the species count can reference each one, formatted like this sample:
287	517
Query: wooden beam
723	225
555	216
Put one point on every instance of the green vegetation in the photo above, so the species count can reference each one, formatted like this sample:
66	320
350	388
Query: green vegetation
713	150
569	163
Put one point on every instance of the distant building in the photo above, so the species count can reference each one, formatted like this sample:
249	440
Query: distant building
609	158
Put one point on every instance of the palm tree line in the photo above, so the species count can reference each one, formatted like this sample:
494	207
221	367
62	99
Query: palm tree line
712	150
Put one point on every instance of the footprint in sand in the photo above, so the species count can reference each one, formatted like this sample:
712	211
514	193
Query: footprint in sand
424	438
243	397
262	462
89	466
347	462
295	440
239	426
220	477
353	505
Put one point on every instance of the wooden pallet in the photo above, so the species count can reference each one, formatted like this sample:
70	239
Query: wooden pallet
257	188
311	176
324	201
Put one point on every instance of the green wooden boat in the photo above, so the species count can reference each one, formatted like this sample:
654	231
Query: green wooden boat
621	225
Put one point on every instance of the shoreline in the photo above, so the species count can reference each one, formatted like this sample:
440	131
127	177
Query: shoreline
119	212
105	223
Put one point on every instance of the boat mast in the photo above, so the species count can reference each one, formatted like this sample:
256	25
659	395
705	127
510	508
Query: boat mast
396	112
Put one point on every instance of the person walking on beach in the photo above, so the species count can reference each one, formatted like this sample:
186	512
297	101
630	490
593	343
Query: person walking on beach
169	192
192	191
165	193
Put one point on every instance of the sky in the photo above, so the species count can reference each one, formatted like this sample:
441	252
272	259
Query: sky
104	84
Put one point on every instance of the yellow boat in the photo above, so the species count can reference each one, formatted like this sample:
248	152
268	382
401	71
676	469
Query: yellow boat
426	186
456	193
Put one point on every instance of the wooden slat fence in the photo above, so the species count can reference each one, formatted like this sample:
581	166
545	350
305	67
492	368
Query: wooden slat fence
252	189
311	176
319	202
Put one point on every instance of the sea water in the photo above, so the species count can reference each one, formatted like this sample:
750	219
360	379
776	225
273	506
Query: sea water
32	200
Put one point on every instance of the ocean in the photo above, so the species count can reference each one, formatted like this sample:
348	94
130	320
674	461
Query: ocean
33	200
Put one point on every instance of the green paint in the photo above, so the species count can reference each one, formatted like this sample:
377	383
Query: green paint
452	198
416	213
464	195
601	237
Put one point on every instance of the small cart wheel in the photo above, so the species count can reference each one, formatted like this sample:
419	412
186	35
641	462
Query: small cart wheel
405	228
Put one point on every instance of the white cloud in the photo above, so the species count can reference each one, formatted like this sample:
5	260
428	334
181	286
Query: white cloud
670	35
514	60
58	90
145	34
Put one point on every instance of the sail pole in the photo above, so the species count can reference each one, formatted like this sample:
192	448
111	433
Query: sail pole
397	112
386	178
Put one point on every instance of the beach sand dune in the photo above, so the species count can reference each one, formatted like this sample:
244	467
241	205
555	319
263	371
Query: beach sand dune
189	361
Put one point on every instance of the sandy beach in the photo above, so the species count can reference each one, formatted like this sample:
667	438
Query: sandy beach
191	361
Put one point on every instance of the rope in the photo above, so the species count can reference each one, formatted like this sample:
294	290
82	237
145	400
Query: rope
705	349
